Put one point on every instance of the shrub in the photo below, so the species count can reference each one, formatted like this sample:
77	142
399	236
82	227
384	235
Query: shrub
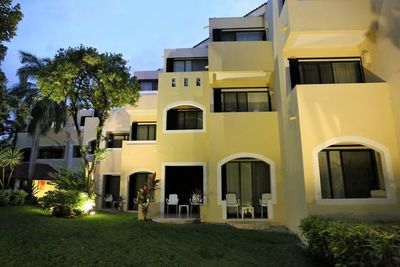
68	180
66	203
342	243
12	197
17	197
5	196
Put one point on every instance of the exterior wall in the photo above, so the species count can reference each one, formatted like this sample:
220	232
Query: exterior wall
357	113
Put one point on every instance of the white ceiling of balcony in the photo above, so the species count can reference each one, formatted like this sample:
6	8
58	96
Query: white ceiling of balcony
326	40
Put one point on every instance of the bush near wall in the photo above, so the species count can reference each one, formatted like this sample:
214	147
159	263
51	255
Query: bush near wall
66	203
12	197
344	243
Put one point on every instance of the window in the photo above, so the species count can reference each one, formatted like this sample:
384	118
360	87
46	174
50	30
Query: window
198	81
304	71
185	118
91	147
248	178
142	131
148	85
186	82
83	119
114	140
235	100
51	152
26	154
76	153
238	35
349	171
173	82
186	64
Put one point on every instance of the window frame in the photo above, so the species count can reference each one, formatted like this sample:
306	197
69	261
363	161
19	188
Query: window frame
171	66
219	104
134	131
54	148
109	142
349	148
294	68
175	106
218	34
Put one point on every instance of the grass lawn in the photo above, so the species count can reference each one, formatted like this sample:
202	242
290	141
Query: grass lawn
28	238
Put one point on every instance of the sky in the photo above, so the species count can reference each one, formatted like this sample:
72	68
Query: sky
138	29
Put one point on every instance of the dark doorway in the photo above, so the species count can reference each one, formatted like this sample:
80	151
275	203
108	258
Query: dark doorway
182	180
111	186
136	181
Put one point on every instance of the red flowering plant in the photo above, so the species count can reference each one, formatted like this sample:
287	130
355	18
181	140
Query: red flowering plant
146	194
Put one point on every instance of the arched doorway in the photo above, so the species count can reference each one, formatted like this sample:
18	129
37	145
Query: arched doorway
136	181
248	178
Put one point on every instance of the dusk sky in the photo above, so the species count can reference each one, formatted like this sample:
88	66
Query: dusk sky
139	30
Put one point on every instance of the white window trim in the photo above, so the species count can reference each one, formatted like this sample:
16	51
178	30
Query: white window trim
162	177
271	164
183	103
390	185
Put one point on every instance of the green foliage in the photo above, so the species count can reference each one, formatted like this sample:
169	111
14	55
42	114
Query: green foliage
68	180
342	243
5	196
146	194
12	197
9	159
10	15
64	203
83	78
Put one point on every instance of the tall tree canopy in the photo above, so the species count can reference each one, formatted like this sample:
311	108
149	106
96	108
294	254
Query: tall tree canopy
10	15
83	78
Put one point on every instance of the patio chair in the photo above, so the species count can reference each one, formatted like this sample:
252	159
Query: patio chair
264	201
172	200
108	199
232	202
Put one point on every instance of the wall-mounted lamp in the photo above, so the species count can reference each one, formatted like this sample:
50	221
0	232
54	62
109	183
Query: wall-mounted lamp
366	58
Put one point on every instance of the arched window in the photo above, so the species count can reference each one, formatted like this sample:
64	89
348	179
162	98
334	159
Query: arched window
350	171
184	117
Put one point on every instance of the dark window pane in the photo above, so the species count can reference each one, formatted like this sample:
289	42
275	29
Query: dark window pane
309	73
76	152
115	140
179	66
360	176
242	101
51	153
199	65
326	74
250	36
347	72
227	36
230	102
185	119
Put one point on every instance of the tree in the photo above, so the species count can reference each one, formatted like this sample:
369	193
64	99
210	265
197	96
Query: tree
38	115
9	17
9	158
83	78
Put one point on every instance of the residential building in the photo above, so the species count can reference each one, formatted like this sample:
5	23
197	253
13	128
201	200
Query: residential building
298	99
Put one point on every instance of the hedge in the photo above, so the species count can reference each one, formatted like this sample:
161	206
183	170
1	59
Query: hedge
345	243
12	197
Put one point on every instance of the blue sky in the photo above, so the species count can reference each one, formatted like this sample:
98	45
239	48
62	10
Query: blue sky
139	30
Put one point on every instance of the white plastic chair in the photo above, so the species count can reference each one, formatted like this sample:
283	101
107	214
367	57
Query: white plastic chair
232	202
172	200
108	198
264	201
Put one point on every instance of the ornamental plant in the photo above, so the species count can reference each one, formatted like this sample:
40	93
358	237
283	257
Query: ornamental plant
146	194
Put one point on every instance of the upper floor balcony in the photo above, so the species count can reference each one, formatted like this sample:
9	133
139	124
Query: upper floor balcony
325	23
186	59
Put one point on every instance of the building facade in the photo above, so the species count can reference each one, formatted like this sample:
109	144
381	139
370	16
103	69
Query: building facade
298	99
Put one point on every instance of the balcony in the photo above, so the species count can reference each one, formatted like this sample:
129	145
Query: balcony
240	63
326	111
326	24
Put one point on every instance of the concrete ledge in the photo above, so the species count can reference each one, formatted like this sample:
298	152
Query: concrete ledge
176	220
250	224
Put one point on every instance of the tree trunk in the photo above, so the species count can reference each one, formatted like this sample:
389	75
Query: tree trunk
33	155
